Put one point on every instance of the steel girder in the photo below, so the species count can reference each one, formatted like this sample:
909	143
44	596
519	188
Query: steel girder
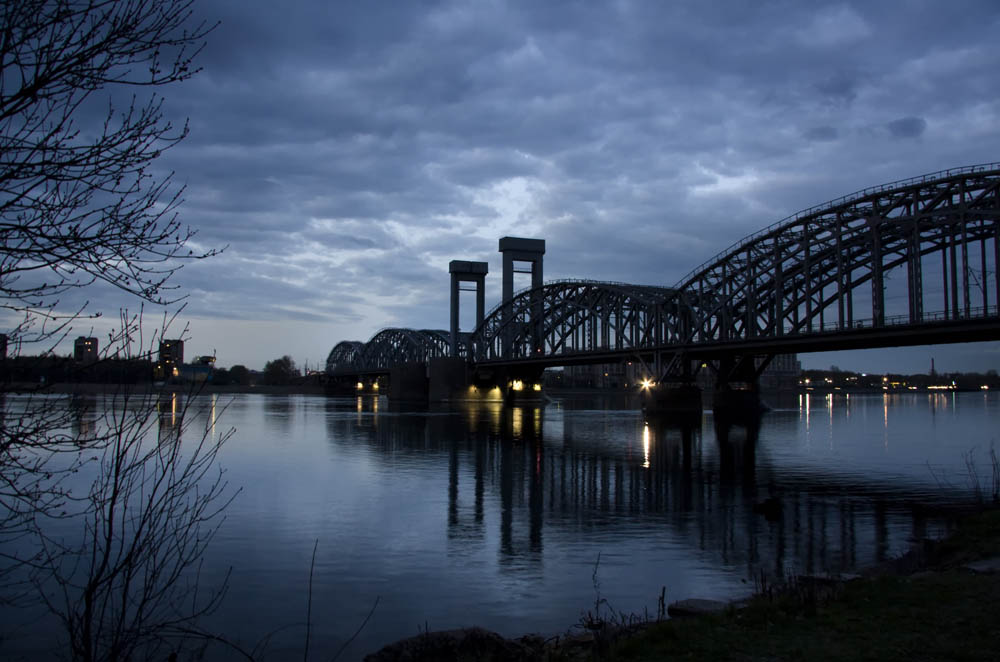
344	357
387	348
797	277
794	276
573	317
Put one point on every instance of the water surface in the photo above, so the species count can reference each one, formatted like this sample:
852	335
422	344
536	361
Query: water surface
518	518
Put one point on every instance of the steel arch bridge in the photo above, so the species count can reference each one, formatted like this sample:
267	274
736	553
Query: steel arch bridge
911	262
388	347
815	280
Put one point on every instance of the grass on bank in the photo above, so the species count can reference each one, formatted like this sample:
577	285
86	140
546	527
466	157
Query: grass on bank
940	612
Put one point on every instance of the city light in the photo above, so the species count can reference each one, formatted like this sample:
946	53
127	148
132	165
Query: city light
536	387
645	446
517	385
647	383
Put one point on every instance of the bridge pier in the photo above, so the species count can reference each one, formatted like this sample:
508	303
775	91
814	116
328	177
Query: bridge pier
519	384
737	386
442	379
671	399
341	386
738	404
448	379
676	392
408	382
348	385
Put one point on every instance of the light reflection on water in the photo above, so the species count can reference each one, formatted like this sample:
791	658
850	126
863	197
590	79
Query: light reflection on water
495	515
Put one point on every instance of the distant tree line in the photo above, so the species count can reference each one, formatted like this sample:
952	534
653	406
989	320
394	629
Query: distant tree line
281	372
238	375
835	377
53	369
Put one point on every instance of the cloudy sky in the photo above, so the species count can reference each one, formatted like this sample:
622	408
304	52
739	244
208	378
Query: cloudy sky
344	153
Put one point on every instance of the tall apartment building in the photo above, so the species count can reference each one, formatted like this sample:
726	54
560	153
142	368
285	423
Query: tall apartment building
85	349
171	359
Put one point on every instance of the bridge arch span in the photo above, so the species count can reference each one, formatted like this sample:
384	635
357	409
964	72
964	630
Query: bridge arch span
395	346
345	356
573	317
828	268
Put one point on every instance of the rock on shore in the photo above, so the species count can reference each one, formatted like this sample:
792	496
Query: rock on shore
460	645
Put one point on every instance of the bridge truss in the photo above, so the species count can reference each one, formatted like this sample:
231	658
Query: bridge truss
905	263
388	347
910	262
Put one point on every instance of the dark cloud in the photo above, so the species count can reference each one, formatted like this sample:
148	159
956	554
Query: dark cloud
346	152
821	133
907	127
839	88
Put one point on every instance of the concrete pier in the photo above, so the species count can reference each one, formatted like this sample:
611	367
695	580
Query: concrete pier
671	398
408	382
448	379
738	403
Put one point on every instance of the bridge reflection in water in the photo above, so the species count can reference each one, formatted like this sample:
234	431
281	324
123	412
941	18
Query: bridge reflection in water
570	474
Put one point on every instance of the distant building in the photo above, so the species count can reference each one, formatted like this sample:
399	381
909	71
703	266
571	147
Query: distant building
782	373
605	375
199	371
171	359
85	349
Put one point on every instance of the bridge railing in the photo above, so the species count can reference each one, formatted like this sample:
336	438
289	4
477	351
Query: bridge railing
977	312
844	199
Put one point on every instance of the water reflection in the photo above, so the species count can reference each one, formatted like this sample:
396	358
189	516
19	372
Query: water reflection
84	415
170	409
279	410
569	473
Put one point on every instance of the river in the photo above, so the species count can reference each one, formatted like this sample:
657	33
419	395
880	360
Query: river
520	518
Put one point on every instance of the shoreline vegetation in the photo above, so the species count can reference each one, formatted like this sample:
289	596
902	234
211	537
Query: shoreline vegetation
85	388
934	602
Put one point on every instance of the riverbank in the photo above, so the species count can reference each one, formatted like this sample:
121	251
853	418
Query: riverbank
936	602
148	387
931	604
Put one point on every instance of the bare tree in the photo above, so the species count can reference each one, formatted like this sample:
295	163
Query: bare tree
81	125
78	202
126	587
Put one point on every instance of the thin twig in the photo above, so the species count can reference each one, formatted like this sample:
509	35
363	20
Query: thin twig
356	632
309	604
209	637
